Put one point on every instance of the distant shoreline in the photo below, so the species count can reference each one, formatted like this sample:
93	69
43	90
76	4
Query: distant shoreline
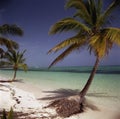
107	69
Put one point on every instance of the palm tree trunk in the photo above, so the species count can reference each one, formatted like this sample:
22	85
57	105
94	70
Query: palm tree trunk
14	74
90	79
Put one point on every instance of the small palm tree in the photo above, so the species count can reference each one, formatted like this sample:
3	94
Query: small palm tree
14	59
6	30
90	25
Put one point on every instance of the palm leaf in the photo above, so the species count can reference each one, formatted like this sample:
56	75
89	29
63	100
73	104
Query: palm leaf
8	43
74	40
102	42
14	58
113	34
21	54
77	4
107	12
68	24
2	52
65	53
23	66
5	64
82	11
99	7
11	29
98	45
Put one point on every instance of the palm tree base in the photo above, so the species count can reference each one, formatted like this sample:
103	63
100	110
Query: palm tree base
68	106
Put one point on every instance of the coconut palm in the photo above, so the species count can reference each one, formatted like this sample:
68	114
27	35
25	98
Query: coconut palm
90	25
6	30
14	59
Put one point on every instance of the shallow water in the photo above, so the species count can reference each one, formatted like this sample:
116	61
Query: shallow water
71	77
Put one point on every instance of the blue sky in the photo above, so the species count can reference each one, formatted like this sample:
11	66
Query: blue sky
36	17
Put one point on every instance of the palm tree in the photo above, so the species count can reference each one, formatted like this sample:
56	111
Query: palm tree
6	30
90	25
14	59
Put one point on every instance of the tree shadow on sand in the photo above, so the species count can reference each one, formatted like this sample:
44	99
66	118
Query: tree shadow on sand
10	81
62	94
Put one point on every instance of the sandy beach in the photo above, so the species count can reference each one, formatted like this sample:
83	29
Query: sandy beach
31	99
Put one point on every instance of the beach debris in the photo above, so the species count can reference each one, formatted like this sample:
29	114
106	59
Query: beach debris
66	107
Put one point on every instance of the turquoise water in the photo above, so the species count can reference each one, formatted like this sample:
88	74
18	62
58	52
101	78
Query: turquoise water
107	78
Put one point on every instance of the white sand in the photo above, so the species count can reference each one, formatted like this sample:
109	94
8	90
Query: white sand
23	97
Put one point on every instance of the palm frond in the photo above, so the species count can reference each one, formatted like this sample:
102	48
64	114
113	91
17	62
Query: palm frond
77	4
8	43
99	7
92	11
82	11
64	54
11	29
15	58
2	52
102	42
23	66
73	40
5	64
113	34
12	45
107	12
20	55
98	45
68	24
86	19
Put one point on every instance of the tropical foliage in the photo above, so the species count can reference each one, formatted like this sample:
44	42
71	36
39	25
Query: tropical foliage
7	116
90	23
6	30
14	59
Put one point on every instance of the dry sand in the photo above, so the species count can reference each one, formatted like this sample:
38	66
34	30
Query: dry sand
28	98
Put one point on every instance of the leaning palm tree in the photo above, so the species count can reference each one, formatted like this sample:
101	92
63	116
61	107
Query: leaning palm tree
6	30
90	25
14	59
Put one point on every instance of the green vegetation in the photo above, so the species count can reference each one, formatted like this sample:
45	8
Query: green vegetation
14	59
9	55
6	30
90	25
7	116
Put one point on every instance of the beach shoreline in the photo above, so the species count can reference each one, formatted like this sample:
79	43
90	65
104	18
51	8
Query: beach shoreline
34	98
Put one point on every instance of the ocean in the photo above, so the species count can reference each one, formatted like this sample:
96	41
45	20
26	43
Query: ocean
106	83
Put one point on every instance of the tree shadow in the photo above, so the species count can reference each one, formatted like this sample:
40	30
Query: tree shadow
10	81
62	93
65	93
59	93
117	116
